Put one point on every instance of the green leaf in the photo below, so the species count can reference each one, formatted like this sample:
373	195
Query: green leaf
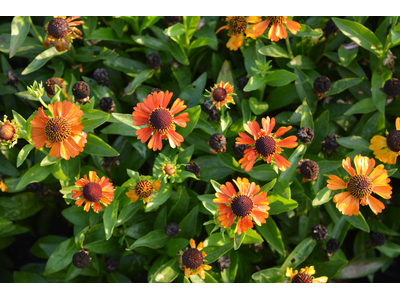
263	172
254	83
377	226
301	62
116	277
280	78
188	224
238	240
341	227
61	257
160	198
102	246
358	222
129	66
225	74
190	23
76	215
22	155
174	245
272	235
178	53
174	30
128	211
142	77
360	34
300	253
267	187
203	41
268	273
155	239
89	26
273	51
194	115
34	174
293	159
257	107
361	268
377	82
389	249
305	30
354	142
28	277
306	116
6	167
347	56
279	204
46	245
19	30
322	197
361	107
252	237
215	252
150	42
304	88
167	272
148	21
329	268
342	85
97	146
110	216
40	60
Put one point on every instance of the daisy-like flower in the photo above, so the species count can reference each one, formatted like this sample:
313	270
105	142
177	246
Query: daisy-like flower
278	30
362	183
192	260
386	149
304	276
61	30
63	132
244	206
9	132
221	94
93	191
264	144
238	26
160	120
144	189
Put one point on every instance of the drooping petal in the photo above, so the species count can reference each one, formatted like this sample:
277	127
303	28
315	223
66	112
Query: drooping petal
375	205
346	163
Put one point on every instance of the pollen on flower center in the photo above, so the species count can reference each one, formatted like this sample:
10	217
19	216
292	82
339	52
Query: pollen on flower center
393	140
241	206
160	119
265	146
92	192
237	24
7	132
278	20
302	278
58	28
219	94
192	258
57	129
360	186
144	188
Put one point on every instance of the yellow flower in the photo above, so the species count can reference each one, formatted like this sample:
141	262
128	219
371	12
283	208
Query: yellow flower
304	276
144	189
386	149
192	260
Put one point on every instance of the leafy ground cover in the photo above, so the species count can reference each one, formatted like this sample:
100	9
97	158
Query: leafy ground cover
199	149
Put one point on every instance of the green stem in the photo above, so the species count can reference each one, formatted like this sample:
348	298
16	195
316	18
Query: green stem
43	103
289	48
361	253
36	32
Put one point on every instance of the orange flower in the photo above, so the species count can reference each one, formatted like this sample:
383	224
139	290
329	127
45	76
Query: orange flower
144	189
60	30
305	275
245	206
63	132
159	120
360	186
221	94
94	190
278	30
239	25
265	144
192	260
386	149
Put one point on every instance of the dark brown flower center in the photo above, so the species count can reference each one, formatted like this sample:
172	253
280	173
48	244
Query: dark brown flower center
49	85
237	24
309	169
144	188
302	278
241	206
92	192
58	28
265	146
359	186
277	20
7	132
393	140
160	119
57	129
192	258
169	169
219	94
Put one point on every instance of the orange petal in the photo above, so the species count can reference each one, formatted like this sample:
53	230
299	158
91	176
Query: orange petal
346	163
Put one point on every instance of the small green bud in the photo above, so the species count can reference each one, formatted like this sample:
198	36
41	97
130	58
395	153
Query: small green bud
36	90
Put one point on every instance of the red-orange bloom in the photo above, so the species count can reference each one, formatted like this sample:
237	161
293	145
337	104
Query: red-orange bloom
63	132
221	94
264	144
92	191
160	120
278	30
246	205
362	183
